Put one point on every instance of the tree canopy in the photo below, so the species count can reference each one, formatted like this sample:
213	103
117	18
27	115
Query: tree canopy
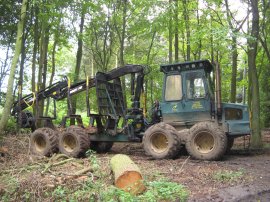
79	38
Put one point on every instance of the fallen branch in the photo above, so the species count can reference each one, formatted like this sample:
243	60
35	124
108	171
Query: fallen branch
83	171
56	157
80	173
183	164
49	165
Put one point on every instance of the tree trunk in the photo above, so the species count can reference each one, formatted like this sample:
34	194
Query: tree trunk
254	88
176	40
35	50
183	44
211	41
146	82
234	54
127	175
123	34
53	73
186	17
265	85
122	37
170	32
199	51
234	68
9	96
20	82
78	63
42	72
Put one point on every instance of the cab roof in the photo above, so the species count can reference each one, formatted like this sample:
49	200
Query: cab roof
187	66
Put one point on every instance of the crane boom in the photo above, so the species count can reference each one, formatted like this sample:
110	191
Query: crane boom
60	89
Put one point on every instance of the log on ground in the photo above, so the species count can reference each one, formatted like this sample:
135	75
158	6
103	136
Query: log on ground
127	175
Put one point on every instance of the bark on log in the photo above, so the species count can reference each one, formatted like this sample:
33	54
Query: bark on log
127	175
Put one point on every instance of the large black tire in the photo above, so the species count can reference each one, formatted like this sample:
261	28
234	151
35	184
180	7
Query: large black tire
229	144
206	141
44	141
101	147
161	141
74	141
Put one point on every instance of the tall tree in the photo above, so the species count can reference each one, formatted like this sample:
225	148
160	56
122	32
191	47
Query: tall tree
234	28
43	53
253	76
264	38
187	26
35	12
170	32
176	37
9	96
78	58
121	32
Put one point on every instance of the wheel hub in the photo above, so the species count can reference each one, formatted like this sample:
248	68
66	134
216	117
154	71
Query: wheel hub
69	143
204	142
40	143
159	142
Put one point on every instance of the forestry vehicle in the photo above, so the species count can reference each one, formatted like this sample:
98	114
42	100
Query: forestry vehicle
190	115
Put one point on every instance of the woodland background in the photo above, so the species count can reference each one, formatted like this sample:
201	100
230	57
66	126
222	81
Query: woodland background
43	40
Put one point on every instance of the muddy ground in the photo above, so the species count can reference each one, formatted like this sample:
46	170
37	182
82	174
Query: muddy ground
242	175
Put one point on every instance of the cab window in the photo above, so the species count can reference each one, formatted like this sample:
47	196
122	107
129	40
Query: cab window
173	89
195	85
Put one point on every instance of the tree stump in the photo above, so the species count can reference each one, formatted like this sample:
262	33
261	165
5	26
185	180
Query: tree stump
127	175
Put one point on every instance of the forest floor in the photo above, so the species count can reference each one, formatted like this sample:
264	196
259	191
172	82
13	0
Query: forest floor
242	175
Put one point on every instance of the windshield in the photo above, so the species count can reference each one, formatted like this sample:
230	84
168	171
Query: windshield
173	89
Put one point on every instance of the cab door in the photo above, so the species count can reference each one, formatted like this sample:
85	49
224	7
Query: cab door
196	102
172	104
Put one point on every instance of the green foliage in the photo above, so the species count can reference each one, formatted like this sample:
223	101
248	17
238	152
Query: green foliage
11	126
10	185
164	190
226	175
156	191
93	159
59	192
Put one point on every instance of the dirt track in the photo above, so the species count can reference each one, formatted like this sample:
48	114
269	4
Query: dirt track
248	171
197	176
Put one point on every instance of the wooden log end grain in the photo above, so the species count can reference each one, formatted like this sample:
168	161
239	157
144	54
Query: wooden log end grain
127	175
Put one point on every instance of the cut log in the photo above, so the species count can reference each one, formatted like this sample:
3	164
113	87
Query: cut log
127	175
3	151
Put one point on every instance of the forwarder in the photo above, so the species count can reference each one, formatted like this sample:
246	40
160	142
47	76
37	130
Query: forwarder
190	114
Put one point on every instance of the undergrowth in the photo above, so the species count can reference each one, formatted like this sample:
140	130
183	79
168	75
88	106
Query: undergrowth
96	188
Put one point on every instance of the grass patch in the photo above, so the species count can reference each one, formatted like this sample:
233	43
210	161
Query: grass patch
228	175
156	191
9	186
